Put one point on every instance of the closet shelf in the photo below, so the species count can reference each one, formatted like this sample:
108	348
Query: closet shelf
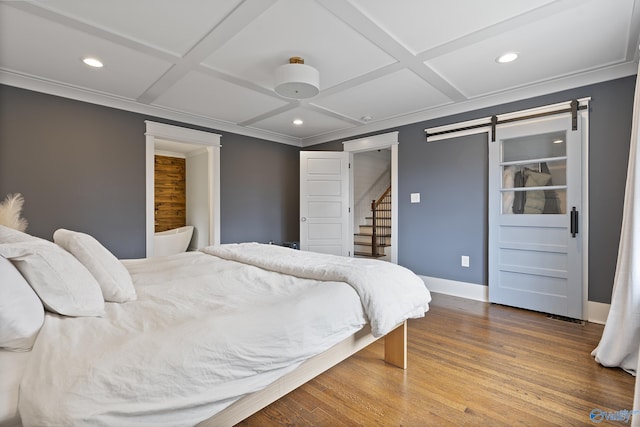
546	187
530	161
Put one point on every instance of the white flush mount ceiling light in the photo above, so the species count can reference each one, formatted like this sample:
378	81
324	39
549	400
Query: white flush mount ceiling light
93	62
507	57
296	80
297	122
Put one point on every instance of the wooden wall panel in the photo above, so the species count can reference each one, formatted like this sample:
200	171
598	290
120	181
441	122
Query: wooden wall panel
170	193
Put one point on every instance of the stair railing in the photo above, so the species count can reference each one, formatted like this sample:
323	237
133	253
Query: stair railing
377	221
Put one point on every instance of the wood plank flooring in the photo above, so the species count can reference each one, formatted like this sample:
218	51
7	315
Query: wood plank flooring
470	363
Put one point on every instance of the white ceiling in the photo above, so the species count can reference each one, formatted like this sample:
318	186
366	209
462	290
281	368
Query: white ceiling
382	63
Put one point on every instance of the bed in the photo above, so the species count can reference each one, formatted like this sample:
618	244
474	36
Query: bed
199	338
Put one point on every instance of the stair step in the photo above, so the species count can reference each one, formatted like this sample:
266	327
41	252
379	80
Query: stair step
367	249
380	245
367	242
366	255
371	234
380	231
379	225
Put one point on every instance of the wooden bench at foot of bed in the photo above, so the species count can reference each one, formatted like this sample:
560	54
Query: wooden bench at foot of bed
395	353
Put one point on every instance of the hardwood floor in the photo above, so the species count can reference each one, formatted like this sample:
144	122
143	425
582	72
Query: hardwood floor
470	363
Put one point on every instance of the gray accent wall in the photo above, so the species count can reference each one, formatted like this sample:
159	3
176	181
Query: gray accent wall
78	166
451	218
81	166
451	176
260	183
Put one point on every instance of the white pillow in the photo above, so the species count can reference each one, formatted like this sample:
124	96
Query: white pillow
10	235
21	312
111	274
62	283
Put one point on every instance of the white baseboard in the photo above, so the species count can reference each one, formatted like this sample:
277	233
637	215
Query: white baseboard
597	312
456	289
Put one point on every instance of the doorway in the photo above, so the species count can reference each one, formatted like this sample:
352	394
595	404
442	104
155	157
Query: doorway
372	204
202	153
344	222
535	225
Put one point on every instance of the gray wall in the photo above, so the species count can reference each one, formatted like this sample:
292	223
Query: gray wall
451	218
260	190
78	166
81	166
452	178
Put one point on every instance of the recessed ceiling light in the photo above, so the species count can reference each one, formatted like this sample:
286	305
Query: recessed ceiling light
507	57
298	122
558	141
93	62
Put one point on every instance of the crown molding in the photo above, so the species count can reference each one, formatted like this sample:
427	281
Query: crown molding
558	85
612	72
79	94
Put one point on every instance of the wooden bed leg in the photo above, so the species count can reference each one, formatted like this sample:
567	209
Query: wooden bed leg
395	346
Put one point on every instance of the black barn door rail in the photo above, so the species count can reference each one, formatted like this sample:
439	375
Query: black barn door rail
493	121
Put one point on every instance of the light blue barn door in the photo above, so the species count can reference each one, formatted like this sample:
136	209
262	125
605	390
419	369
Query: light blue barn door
535	201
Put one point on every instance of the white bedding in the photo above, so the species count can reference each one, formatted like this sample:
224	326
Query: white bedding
389	293
203	333
12	367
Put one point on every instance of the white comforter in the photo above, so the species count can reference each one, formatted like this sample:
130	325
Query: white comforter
203	333
389	293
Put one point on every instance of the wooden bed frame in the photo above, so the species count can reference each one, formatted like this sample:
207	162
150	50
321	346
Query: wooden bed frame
395	353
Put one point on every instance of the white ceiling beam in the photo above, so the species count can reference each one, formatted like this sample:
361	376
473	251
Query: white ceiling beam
66	21
241	16
526	18
347	13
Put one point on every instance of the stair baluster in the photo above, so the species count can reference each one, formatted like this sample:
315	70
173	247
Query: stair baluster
378	233
382	220
374	237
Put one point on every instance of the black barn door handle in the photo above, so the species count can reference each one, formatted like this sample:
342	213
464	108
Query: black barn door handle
574	222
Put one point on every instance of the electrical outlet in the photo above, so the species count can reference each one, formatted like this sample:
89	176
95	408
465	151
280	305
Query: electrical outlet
464	261
415	197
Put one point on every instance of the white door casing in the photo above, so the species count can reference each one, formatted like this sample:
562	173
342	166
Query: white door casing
315	238
156	132
383	141
535	261
325	218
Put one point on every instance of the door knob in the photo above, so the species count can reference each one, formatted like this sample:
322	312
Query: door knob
303	219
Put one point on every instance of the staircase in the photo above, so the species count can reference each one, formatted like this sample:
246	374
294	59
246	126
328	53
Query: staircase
375	234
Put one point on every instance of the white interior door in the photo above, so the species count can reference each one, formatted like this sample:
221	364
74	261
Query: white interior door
325	220
535	196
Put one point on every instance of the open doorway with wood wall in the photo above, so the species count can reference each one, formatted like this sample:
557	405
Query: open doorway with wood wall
201	151
170	192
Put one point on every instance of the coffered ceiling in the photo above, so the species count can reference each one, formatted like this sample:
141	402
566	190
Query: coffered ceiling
381	63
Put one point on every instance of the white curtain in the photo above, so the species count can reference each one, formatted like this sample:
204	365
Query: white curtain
620	340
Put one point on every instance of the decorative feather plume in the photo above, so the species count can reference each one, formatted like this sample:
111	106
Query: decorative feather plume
10	209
